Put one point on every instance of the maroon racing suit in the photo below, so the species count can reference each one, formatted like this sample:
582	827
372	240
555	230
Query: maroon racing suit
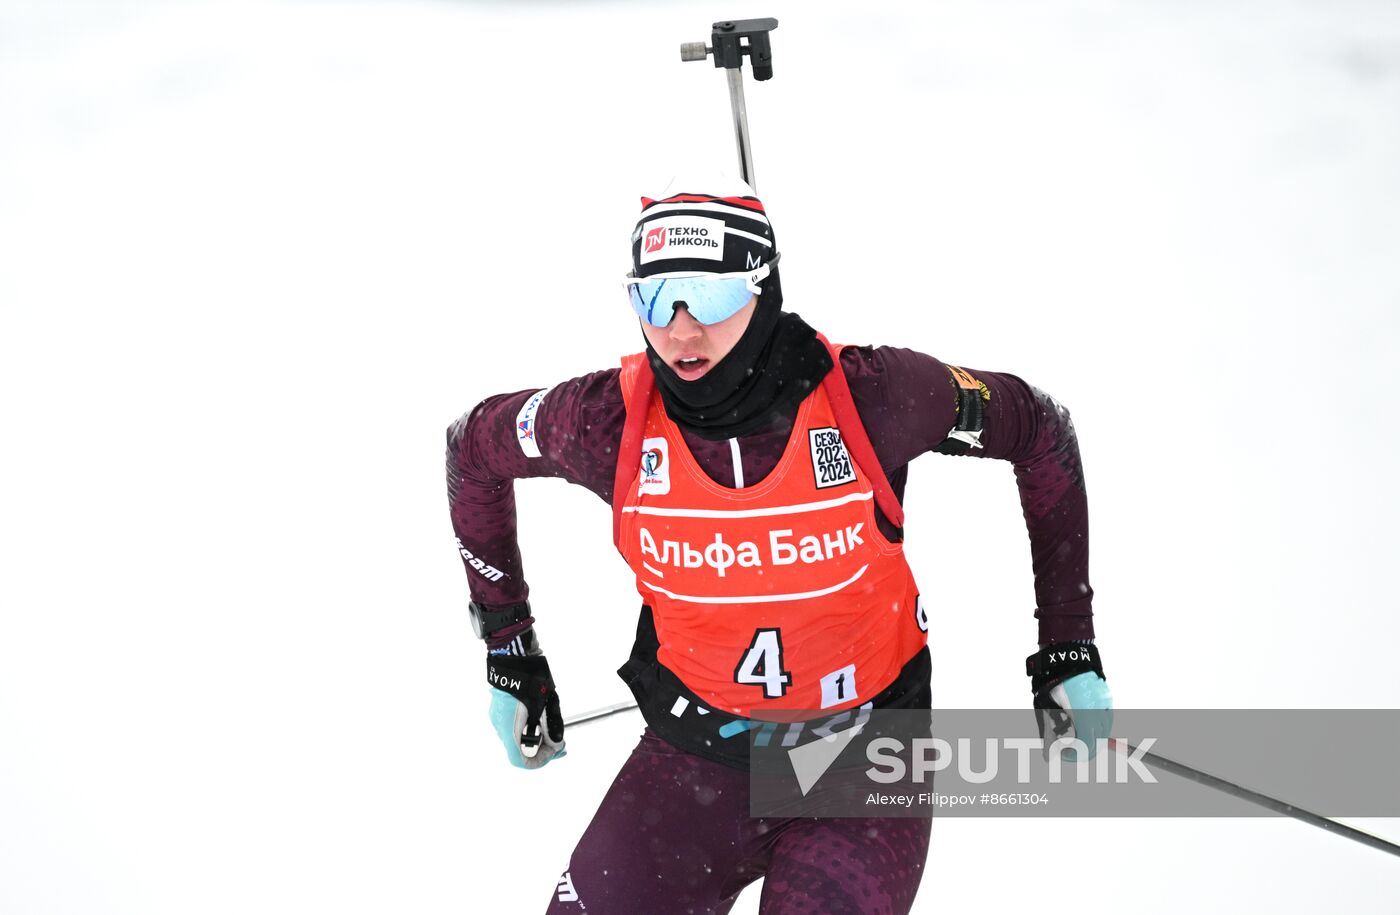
674	835
631	861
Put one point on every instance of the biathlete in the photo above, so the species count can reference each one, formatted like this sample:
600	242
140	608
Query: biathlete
755	473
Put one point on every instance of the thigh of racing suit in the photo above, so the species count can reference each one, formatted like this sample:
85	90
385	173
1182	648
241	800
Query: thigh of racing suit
673	835
837	866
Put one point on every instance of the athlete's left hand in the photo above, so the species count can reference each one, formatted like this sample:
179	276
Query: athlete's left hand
1071	695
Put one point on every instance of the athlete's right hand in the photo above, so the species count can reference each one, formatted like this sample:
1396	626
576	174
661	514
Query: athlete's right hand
525	706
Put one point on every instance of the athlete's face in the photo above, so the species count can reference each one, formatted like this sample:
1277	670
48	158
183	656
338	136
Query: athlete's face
691	348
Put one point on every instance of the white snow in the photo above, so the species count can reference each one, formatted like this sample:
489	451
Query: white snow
255	257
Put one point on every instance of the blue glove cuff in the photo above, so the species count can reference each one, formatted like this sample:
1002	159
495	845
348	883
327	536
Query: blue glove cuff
507	718
1087	691
503	713
1090	706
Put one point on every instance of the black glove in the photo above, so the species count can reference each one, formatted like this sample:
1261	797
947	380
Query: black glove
1071	695
524	703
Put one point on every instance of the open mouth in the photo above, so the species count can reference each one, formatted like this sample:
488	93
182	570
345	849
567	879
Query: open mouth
691	367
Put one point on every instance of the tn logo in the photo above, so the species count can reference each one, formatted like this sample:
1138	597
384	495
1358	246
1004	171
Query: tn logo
655	241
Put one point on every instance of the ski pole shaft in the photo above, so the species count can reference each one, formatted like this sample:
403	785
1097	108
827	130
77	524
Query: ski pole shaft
1254	797
597	713
741	126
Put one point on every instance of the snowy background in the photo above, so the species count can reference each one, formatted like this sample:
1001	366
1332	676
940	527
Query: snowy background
255	256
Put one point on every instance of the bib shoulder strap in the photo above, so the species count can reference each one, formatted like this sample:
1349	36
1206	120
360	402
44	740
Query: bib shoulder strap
632	367
637	383
857	440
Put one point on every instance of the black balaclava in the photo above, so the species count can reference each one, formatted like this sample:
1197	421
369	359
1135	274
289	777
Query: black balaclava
771	369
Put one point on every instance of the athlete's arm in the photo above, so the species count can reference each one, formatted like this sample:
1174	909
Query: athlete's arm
572	433
907	401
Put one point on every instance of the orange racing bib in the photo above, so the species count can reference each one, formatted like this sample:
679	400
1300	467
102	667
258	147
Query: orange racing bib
780	595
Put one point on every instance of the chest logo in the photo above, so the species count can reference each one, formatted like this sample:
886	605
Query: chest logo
831	463
655	477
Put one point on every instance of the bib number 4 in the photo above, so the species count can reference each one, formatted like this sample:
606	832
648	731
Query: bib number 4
762	664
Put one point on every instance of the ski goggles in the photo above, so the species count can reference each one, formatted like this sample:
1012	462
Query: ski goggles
708	297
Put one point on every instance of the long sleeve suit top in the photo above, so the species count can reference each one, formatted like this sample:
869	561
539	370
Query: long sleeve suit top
907	401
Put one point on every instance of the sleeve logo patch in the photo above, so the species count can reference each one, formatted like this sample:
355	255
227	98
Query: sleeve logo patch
655	476
525	424
831	464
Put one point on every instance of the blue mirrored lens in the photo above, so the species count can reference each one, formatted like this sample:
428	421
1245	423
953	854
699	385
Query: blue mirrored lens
708	300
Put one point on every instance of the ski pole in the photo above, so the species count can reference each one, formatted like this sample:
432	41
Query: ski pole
597	713
731	40
1254	797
